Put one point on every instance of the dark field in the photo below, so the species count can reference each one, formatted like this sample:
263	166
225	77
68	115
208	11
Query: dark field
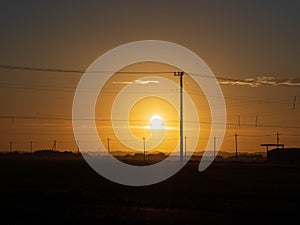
70	192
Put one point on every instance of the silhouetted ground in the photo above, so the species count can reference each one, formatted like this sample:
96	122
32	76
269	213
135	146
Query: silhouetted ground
70	192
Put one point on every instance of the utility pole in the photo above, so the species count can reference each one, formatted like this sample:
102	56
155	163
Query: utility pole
239	120
277	139
108	147
144	143
54	145
214	147
236	146
184	148
180	75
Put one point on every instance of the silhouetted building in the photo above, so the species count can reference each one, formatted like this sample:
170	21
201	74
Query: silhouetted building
286	155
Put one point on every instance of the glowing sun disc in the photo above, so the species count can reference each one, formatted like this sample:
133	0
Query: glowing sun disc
157	123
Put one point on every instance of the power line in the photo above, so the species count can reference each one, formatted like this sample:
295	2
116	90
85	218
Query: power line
59	70
142	121
247	101
280	100
39	69
80	71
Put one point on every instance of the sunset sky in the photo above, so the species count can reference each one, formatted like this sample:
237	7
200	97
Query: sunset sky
252	45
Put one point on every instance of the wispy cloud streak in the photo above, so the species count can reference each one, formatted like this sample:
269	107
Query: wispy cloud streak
139	82
264	80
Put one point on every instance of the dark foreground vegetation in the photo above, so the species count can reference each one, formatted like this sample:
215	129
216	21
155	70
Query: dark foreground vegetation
49	191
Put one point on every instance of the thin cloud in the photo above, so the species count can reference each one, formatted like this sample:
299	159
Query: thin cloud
139	82
122	82
258	81
146	82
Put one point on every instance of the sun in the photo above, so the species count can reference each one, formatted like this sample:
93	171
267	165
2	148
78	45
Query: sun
157	123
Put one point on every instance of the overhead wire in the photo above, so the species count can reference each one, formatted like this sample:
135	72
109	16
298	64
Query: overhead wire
245	100
60	70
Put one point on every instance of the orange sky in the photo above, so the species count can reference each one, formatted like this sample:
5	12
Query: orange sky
239	40
47	114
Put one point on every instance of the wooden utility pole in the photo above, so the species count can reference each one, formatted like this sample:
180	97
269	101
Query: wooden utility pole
236	146
54	145
214	147
180	75
144	144
277	139
184	148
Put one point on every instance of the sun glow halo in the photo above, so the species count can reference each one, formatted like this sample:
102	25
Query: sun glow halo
157	123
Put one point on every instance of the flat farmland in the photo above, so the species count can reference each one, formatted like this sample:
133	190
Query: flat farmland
70	192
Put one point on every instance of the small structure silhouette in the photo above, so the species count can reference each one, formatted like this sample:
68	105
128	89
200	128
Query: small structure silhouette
287	155
272	145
